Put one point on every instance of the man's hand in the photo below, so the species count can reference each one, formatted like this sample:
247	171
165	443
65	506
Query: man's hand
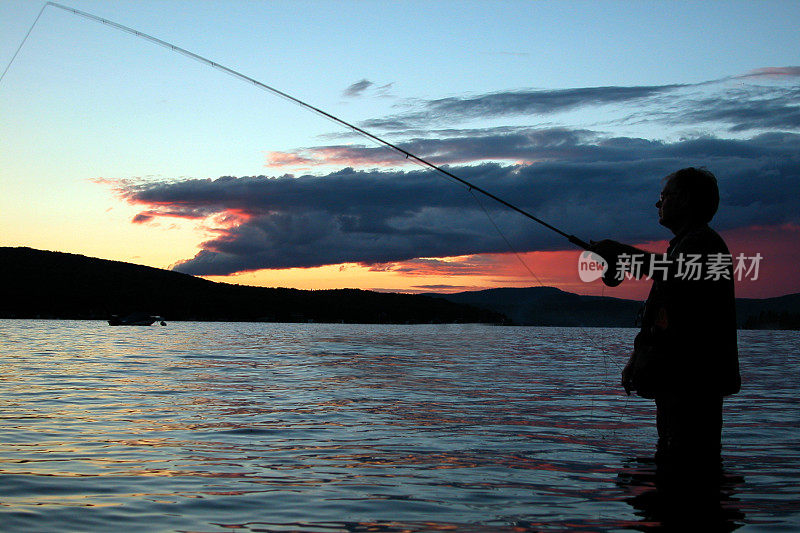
627	375
612	250
608	249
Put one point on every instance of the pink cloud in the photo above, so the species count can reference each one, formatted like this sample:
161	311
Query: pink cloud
230	218
348	156
772	72
779	247
286	159
363	156
777	270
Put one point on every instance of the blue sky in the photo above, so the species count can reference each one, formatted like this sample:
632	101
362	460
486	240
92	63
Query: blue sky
108	140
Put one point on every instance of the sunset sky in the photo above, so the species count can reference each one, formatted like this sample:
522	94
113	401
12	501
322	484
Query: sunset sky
113	147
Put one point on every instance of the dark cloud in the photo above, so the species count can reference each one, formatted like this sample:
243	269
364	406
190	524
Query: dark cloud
462	147
745	110
166	211
522	145
583	183
384	89
508	103
357	88
142	218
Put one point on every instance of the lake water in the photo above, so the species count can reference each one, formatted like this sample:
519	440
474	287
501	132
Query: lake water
328	428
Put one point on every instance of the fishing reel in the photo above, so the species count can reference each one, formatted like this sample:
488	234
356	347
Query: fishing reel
610	277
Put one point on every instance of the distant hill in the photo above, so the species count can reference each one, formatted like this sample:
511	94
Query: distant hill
41	284
782	312
548	306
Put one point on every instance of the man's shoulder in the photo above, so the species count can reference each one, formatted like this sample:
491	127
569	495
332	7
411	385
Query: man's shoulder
701	239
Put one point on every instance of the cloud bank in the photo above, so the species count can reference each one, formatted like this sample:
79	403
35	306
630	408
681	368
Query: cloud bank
743	106
511	103
375	211
584	183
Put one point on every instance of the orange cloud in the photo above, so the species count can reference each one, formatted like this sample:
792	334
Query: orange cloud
348	156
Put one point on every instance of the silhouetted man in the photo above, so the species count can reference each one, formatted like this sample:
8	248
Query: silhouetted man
685	355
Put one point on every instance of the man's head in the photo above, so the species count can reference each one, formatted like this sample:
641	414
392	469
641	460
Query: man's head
690	196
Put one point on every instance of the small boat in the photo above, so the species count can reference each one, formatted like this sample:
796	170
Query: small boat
135	319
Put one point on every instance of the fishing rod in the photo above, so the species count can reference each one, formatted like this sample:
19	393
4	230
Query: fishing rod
408	155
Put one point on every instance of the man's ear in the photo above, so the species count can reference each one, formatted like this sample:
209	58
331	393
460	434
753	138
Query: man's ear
685	205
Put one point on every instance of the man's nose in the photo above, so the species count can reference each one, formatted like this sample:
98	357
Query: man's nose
658	204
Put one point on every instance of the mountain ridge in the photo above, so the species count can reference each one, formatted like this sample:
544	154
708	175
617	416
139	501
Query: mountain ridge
45	284
550	306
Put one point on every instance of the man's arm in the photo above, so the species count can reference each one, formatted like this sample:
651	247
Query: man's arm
611	251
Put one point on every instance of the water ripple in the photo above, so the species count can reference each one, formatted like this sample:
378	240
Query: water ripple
304	427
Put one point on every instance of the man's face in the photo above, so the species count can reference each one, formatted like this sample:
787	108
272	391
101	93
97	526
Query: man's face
671	207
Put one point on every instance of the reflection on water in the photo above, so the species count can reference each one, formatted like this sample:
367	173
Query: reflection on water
287	427
681	501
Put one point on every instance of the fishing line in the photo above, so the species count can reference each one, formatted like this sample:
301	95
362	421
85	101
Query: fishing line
22	43
593	340
374	138
236	74
510	247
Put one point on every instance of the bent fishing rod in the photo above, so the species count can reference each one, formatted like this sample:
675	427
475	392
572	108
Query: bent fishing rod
236	74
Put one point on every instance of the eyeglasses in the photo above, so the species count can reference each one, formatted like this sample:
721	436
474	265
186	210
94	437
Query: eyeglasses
667	195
